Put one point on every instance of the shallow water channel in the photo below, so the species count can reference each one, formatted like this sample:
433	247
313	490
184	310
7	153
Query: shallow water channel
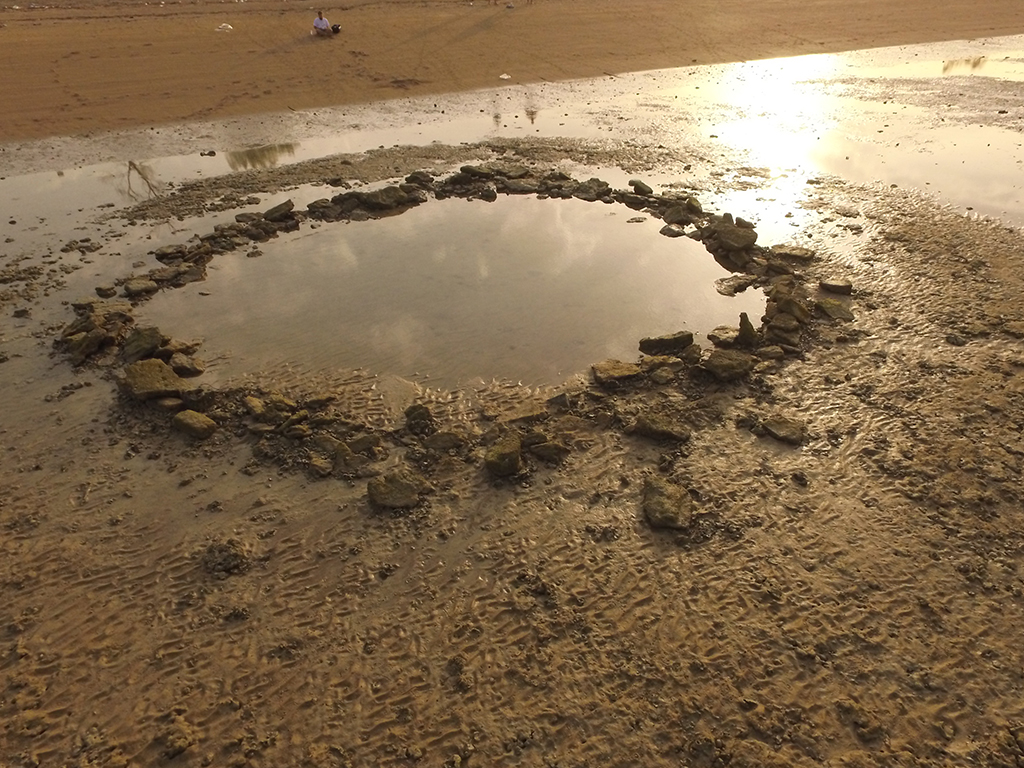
453	292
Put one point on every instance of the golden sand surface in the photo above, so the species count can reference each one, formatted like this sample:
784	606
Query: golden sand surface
75	67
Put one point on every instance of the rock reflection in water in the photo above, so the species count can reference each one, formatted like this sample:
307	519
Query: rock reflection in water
266	156
973	63
518	290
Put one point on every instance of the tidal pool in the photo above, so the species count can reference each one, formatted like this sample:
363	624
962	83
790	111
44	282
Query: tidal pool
452	293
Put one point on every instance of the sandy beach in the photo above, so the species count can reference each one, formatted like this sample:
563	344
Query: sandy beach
75	68
795	543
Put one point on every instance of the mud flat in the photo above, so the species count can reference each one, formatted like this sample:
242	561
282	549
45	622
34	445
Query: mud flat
800	548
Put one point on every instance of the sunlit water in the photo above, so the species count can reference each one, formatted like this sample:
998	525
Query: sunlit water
530	290
453	292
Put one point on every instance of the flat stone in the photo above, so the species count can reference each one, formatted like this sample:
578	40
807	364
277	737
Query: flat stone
396	490
724	336
551	451
794	253
150	379
444	441
837	285
729	364
771	352
730	286
785	430
611	372
194	424
672	344
656	426
168	404
386	198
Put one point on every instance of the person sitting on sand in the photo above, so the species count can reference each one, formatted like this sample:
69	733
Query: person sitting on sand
323	27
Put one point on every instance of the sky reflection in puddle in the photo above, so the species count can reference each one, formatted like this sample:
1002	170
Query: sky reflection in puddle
527	290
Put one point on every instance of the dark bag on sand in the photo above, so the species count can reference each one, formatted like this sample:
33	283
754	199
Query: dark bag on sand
335	28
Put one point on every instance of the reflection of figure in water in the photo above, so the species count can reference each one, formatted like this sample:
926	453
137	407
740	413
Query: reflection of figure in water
975	62
531	108
324	28
144	173
266	156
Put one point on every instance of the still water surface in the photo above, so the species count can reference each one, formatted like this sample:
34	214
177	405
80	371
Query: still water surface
453	292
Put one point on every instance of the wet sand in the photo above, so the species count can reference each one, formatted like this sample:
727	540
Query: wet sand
75	68
853	601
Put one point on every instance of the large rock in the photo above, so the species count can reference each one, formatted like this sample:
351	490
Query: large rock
141	343
729	364
724	336
150	379
795	307
419	420
386	198
677	214
836	285
640	187
666	505
519	186
280	212
748	336
81	345
834	308
504	458
194	424
778	334
592	190
672	344
396	490
139	286
186	365
732	237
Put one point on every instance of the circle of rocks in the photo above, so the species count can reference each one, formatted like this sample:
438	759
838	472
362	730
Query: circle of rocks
157	370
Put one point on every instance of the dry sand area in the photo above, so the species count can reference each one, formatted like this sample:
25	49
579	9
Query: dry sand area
856	600
76	67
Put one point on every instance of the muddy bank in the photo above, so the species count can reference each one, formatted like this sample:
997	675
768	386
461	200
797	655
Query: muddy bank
835	578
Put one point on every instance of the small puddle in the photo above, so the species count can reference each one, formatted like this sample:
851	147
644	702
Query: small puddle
454	292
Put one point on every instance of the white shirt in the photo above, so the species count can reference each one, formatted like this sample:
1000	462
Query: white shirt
321	23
